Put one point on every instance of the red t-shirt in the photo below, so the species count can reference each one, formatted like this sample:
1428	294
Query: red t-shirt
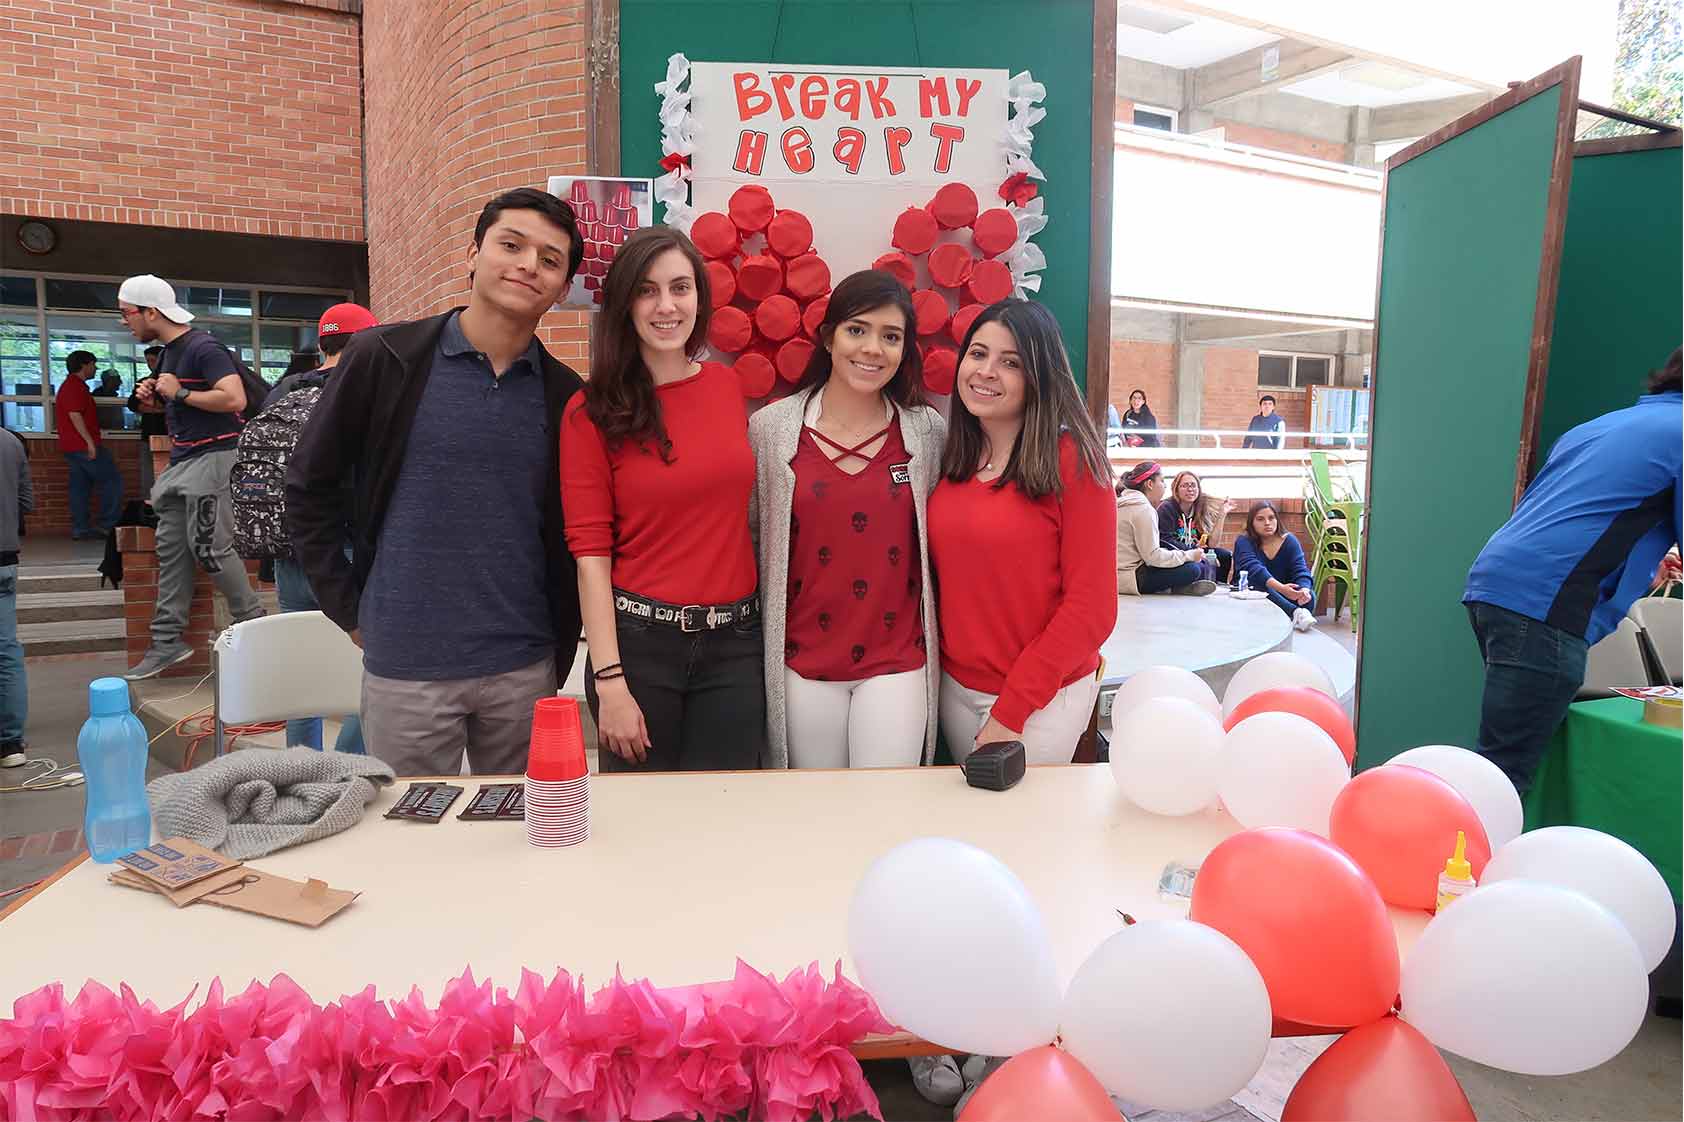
74	397
676	531
854	582
1026	590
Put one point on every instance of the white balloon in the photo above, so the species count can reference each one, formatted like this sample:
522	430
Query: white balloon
952	948
1476	779
1602	867
1168	973
1166	755
1526	977
1164	681
1275	670
1280	769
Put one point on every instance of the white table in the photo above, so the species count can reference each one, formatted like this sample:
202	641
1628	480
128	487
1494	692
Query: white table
1213	636
681	876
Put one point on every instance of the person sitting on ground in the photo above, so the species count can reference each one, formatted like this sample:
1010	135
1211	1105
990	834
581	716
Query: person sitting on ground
1274	562
1144	564
1140	427
1191	519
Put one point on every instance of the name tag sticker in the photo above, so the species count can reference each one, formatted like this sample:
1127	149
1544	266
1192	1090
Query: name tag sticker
900	473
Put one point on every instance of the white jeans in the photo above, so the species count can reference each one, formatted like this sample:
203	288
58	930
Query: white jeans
1050	734
872	722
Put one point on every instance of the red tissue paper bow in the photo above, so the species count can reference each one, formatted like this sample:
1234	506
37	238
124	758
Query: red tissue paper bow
672	161
1018	190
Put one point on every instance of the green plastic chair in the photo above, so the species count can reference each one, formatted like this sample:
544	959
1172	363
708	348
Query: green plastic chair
1337	558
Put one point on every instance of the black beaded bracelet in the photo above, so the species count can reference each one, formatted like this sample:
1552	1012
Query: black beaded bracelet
610	672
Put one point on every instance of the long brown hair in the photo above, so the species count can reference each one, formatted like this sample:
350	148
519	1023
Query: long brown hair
862	292
1052	408
1204	511
620	393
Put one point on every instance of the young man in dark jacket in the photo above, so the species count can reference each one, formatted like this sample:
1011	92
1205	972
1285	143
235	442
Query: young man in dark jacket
460	589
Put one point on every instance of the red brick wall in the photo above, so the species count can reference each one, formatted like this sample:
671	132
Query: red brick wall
1278	141
234	115
1231	393
498	103
1148	367
50	475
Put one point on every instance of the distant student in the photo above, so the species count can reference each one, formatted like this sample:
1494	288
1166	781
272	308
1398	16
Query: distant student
1140	427
1275	563
1266	427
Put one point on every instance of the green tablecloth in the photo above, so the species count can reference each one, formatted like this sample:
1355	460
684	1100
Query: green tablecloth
1608	770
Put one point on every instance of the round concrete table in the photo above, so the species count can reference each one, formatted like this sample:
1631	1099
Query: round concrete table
1213	636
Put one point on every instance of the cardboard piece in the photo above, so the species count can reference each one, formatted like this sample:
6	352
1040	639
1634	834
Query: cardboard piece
175	863
181	897
233	885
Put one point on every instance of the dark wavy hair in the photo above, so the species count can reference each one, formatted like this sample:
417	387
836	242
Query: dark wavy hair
861	292
1669	378
620	393
1251	521
1052	408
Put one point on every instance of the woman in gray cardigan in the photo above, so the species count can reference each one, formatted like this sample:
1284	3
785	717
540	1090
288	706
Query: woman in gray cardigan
843	467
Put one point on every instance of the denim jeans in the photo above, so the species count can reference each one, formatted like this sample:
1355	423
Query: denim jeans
14	684
703	696
1150	579
85	475
1532	671
292	590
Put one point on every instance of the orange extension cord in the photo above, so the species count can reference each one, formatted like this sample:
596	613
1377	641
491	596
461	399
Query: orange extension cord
201	726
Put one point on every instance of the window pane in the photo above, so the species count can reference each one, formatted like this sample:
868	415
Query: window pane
17	291
1274	370
20	354
1146	119
298	305
202	301
118	356
1314	371
236	336
23	417
93	295
283	341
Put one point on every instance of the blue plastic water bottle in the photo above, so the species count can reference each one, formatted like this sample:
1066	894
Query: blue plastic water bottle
112	753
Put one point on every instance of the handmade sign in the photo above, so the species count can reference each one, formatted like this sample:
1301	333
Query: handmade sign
790	178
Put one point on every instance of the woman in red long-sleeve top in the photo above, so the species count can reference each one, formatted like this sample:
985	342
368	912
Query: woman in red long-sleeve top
1023	540
656	479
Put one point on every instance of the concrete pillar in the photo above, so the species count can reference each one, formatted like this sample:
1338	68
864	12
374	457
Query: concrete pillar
1189	384
1362	148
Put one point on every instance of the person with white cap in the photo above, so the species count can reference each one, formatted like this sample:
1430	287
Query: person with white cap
202	394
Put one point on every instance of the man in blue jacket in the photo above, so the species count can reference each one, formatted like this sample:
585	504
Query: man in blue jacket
1562	572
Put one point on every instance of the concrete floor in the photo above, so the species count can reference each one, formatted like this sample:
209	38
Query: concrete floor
1642	1083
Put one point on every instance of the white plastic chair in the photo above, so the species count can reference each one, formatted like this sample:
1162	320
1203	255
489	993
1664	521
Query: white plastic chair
1663	618
284	667
1616	660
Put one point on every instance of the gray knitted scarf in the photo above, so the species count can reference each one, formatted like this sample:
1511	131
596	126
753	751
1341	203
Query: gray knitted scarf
257	800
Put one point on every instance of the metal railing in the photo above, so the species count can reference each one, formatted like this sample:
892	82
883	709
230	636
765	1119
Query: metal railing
1349	439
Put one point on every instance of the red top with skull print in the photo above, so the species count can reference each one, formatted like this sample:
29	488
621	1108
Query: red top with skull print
854	582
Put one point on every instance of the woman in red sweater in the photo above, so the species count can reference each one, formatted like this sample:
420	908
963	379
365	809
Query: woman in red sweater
656	479
1023	540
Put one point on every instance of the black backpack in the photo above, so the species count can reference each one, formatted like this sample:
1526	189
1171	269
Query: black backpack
257	390
258	481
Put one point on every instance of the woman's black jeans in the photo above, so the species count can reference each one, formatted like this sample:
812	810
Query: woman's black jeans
703	696
1150	579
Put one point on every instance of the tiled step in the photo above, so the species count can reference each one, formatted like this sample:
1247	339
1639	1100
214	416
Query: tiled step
77	636
63	607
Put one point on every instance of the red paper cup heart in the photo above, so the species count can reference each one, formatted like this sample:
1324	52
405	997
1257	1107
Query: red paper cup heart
994	232
756	374
751	208
990	283
915	231
730	330
759	277
790	234
899	266
813	315
951	265
962	320
807	277
778	318
792	360
931	308
941	365
954	206
722	284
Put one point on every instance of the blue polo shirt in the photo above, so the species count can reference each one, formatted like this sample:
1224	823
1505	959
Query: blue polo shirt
1590	532
457	588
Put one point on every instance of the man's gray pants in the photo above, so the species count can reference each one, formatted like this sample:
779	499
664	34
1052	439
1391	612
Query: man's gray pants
196	530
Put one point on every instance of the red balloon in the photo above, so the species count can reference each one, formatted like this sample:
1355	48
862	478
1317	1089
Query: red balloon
1383	1072
1044	1082
1311	920
1303	701
1399	823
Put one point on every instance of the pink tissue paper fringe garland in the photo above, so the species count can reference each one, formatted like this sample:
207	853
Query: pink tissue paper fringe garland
752	1046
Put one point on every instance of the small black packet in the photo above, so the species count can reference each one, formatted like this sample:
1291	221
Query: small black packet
995	767
425	802
496	802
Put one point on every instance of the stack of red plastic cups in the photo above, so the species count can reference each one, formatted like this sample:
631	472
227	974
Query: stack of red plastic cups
558	781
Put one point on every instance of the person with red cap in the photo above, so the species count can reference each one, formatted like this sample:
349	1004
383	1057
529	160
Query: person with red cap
292	584
657	482
1022	543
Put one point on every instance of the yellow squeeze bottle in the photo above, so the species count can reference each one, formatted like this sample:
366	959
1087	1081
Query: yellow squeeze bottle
1457	879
